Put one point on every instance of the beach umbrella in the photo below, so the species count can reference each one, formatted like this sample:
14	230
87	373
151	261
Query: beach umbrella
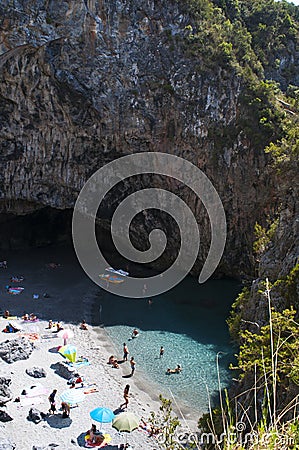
72	396
125	422
65	335
69	352
103	415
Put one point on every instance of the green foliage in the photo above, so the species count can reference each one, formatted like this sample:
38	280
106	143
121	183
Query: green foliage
236	313
261	118
167	423
285	152
263	236
272	26
255	350
287	286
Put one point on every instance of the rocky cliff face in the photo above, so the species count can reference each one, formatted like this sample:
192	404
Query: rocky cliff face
84	82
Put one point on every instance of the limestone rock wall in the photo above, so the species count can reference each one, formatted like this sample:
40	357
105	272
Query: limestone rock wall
84	82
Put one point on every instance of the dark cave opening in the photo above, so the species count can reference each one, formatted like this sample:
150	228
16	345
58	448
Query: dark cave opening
40	228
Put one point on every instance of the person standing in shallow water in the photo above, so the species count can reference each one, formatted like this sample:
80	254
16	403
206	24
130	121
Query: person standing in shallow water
126	352
133	366
161	351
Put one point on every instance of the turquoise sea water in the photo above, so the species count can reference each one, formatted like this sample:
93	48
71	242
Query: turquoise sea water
190	323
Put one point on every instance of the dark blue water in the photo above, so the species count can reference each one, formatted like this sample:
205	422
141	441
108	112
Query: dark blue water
190	323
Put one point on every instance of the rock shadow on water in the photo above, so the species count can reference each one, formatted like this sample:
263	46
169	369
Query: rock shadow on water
57	421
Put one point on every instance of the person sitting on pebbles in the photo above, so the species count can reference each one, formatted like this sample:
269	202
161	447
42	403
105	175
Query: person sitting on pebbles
58	327
113	361
94	437
83	325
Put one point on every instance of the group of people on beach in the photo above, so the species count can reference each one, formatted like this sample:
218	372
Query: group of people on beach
65	407
115	363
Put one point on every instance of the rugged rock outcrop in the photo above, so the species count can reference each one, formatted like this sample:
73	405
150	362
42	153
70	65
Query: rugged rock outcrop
5	417
5	393
36	372
15	350
35	415
84	82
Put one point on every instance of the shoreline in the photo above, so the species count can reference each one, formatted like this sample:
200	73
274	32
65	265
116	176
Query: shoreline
148	387
187	415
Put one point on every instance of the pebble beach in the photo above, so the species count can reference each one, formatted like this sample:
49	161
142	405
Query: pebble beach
70	301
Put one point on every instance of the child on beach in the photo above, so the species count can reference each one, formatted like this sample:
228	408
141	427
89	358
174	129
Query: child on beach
65	410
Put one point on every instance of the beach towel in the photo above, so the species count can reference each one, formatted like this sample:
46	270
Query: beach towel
11	317
36	391
89	444
111	279
80	364
117	271
28	401
30	336
15	291
30	320
49	336
91	390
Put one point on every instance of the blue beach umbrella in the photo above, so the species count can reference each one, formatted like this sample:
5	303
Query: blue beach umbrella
103	415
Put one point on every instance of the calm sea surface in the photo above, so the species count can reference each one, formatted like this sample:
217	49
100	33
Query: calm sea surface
190	323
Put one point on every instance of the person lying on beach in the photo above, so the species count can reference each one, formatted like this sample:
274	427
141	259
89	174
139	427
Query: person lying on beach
10	329
76	379
151	429
95	437
83	325
25	316
178	369
32	316
6	314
